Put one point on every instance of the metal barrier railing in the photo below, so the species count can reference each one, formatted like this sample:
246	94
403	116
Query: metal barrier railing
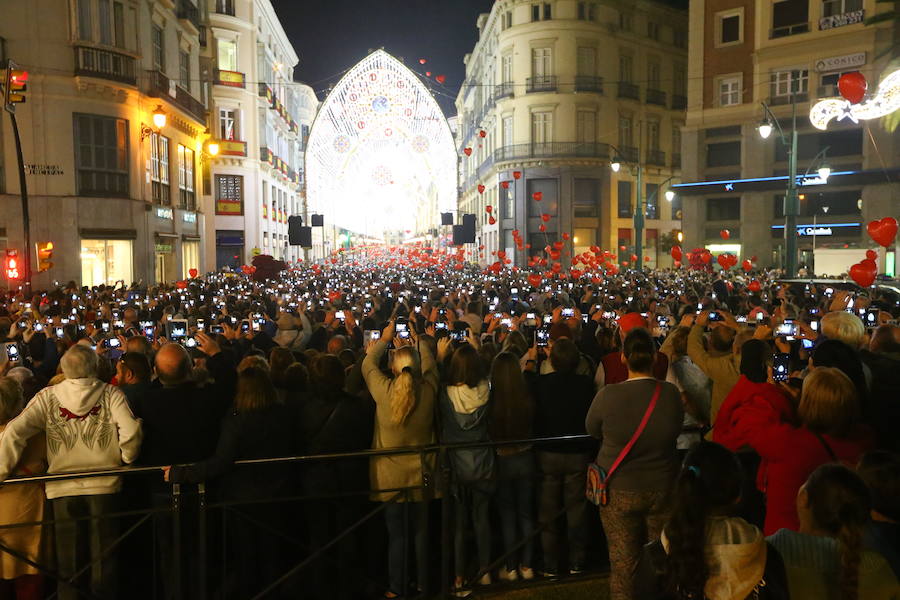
436	480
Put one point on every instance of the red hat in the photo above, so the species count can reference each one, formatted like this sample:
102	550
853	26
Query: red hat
629	321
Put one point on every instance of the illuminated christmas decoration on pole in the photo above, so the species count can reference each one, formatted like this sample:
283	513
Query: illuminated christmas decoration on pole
885	101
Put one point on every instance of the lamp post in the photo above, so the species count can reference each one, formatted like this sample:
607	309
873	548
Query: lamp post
791	202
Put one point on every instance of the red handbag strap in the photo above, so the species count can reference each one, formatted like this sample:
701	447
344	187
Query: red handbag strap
637	433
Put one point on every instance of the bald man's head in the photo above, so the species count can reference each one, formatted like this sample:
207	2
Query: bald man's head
173	365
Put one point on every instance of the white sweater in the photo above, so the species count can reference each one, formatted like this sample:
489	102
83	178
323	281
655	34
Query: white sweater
88	426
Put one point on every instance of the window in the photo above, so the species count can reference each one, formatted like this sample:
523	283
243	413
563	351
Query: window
506	68
680	38
651	195
159	168
227	55
653	74
587	61
730	90
584	238
105	19
624	199
119	24
84	20
626	65
184	70
186	178
790	17
729	28
587	200
679	80
587	126
652	30
549	203
723	209
626	133
723	154
229	194
103	262
785	83
101	155
676	208
832	8
626	22
190	258
159	48
676	141
508	131
506	21
541	127
582	11
548	11
541	62
225	7
228	124
587	11
653	135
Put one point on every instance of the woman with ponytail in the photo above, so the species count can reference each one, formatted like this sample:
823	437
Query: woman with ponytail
704	551
825	560
404	416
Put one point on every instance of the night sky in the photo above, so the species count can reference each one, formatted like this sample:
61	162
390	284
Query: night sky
330	36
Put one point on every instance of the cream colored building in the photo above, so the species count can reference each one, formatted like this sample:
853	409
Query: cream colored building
116	194
555	86
746	52
260	119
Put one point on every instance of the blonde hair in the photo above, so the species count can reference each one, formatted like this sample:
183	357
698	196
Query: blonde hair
404	393
843	326
828	403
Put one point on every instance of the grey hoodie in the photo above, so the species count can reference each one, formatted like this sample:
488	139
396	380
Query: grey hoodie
464	418
88	426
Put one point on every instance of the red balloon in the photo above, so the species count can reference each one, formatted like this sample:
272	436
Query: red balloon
535	279
724	234
482	133
863	273
517	174
515	233
481	190
441	79
883	231
501	254
504	185
422	61
181	284
492	221
622	248
633	257
488	209
706	257
646	259
566	236
428	73
542	228
538	196
545	218
193	272
467	151
754	286
853	86
747	265
676	253
871	255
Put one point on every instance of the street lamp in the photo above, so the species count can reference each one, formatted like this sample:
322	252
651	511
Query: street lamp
159	117
670	195
615	165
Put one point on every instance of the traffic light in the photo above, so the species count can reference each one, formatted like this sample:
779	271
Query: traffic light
14	87
44	254
12	265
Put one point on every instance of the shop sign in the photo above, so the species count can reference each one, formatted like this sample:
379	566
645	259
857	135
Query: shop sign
189	217
841	63
38	169
814	231
848	18
164	213
163	248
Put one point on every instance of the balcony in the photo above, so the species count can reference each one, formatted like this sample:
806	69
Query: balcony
504	90
657	97
629	154
786	30
587	83
162	87
786	99
229	78
545	83
656	157
188	12
848	18
629	90
104	64
679	102
552	150
232	148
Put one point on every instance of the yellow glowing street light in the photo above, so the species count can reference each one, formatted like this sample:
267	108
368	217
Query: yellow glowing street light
212	148
159	117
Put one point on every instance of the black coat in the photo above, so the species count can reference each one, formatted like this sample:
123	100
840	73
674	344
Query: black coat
561	405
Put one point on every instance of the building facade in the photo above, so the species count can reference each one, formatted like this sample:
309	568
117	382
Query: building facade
260	120
788	55
111	133
554	92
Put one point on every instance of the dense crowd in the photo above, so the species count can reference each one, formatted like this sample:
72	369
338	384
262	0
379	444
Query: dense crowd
744	434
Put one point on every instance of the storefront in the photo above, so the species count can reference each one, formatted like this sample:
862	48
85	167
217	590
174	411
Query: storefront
164	252
106	261
229	249
190	255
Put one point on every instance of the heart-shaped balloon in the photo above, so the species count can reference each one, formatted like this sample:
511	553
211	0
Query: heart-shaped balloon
181	284
883	231
871	254
545	218
706	257
482	133
622	248
852	86
467	151
517	174
542	228
504	185
535	279
747	265
676	253
427	73
754	286
565	236
863	273
422	61
725	234
441	79
538	196
193	272
481	190
492	221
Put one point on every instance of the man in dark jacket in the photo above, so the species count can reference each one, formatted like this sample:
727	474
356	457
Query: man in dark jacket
883	360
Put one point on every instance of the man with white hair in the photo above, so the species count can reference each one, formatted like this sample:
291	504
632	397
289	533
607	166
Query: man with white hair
88	426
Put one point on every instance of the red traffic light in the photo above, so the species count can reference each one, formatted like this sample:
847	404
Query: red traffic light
18	76
12	265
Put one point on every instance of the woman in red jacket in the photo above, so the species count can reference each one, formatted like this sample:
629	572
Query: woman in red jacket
828	430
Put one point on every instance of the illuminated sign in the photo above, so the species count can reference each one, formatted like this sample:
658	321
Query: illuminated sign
825	229
164	213
841	63
884	102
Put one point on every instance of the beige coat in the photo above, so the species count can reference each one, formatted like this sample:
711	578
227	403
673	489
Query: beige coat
724	370
23	503
402	470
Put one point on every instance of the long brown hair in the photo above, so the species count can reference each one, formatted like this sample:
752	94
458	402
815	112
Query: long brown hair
255	391
466	367
512	409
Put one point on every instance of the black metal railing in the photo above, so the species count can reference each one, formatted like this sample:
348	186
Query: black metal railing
656	157
105	64
629	90
786	30
544	83
552	150
188	12
162	87
588	83
679	102
629	153
504	90
657	97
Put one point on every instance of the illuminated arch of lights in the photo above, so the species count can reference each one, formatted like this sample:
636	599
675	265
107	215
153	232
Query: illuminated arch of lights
381	156
885	101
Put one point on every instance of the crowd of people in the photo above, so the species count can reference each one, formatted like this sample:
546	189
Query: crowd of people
746	434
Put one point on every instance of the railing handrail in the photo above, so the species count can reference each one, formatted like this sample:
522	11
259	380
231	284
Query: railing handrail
372	452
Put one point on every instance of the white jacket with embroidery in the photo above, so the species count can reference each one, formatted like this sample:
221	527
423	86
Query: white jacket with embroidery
88	426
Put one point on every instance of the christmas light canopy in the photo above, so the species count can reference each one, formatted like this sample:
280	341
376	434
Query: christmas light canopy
381	155
885	101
